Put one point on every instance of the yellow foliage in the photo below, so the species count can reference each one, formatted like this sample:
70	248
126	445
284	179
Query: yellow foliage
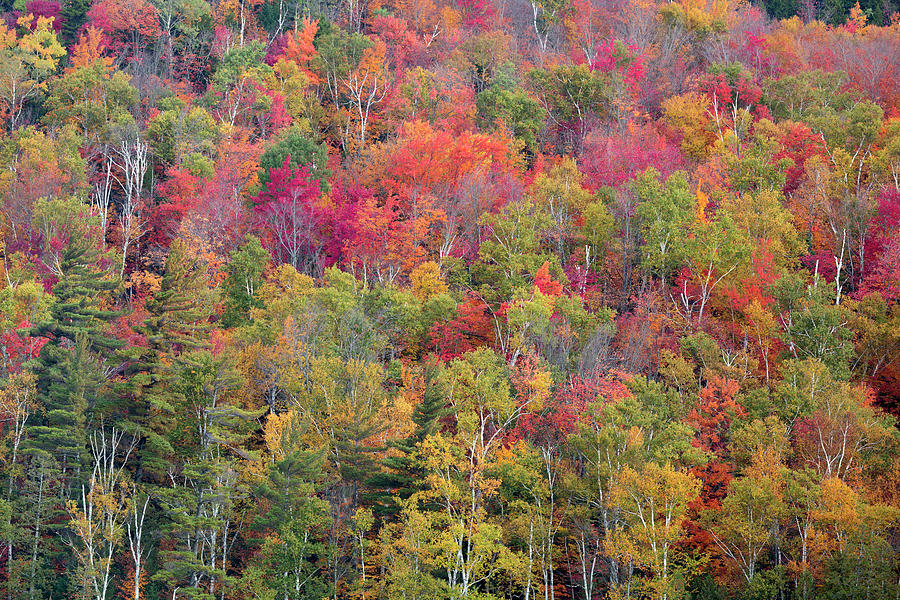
689	114
426	281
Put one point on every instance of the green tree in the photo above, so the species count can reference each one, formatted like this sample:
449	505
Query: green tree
289	560
70	368
654	502
177	321
404	472
666	210
572	95
301	151
512	111
243	281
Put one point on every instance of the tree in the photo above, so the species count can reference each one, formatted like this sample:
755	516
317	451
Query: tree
70	368
744	526
512	111
513	250
177	320
654	502
573	97
17	406
457	466
300	152
127	26
368	85
297	224
203	508
26	63
243	279
98	519
404	475
288	560
561	194
132	160
666	211
617	425
716	251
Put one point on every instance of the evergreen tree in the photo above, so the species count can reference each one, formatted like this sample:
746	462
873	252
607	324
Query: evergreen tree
245	269
71	374
404	474
299	519
74	16
205	506
178	319
71	367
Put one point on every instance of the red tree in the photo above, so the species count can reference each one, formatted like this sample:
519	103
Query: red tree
295	222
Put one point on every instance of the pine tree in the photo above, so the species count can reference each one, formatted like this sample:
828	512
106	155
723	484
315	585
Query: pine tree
70	369
299	519
403	474
177	322
74	16
204	506
245	269
71	374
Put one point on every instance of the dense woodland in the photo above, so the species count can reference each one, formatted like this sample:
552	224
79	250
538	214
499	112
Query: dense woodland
449	299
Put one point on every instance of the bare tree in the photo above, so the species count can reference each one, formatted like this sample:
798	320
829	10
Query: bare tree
17	403
102	192
366	88
133	158
98	519
135	530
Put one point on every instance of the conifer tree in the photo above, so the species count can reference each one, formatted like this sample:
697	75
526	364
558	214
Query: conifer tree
404	473
178	321
72	366
245	269
71	374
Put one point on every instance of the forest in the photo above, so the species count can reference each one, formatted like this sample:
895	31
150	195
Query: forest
449	300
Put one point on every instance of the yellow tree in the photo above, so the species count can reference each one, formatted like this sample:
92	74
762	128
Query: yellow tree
654	501
459	467
26	63
408	555
743	528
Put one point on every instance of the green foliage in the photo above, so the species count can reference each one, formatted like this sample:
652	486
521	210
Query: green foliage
302	152
666	210
511	110
176	134
244	278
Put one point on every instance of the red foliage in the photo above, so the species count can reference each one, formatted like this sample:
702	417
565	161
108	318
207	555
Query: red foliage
884	277
561	413
294	221
713	413
45	8
616	158
401	42
712	417
476	14
471	328
545	284
882	245
126	24
16	347
180	193
623	58
799	143
753	288
726	96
